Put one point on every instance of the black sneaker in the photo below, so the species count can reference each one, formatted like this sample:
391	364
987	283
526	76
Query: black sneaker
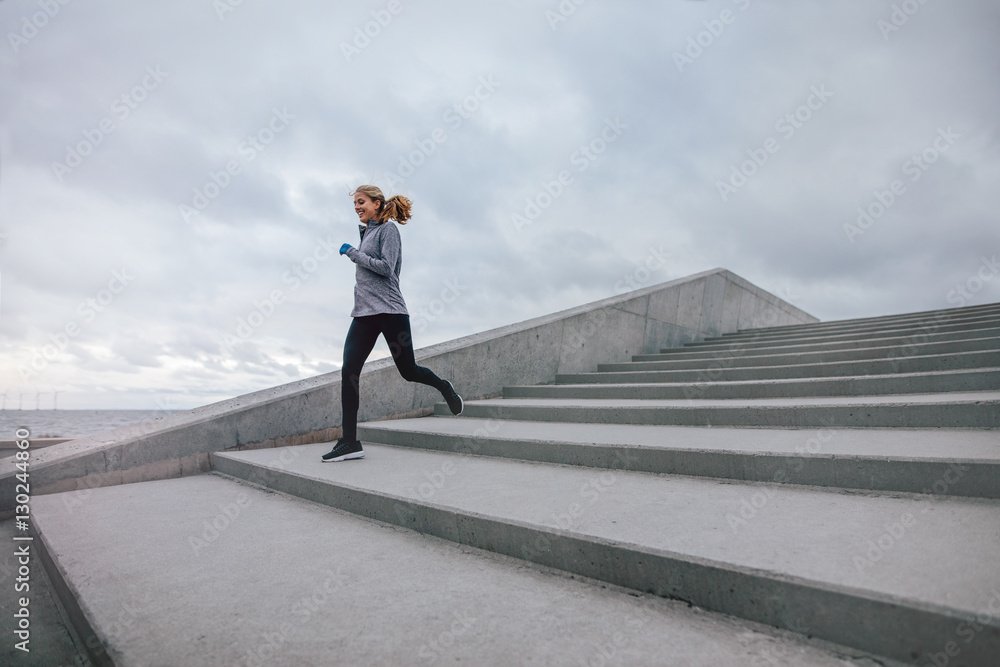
345	450
455	402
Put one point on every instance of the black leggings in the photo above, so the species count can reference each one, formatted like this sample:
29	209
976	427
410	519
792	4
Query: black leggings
361	338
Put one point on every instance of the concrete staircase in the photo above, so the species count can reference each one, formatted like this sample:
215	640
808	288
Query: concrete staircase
822	494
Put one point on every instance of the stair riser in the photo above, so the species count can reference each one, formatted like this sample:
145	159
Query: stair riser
948	415
747	358
842	616
962	361
900	320
874	350
863	386
954	478
810	337
704	350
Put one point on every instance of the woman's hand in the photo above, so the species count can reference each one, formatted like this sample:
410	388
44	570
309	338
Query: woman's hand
344	248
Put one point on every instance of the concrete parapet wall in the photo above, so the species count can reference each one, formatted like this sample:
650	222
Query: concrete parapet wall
532	352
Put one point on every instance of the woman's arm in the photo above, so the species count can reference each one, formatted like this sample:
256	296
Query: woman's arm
390	247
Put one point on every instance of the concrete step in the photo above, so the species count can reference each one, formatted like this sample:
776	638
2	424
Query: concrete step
916	320
207	570
953	410
778	357
899	342
912	364
918	316
985	379
938	461
902	576
50	638
814	336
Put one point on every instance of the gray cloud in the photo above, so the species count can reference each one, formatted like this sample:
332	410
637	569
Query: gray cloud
174	332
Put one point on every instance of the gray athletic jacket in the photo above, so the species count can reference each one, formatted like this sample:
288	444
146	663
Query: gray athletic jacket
378	258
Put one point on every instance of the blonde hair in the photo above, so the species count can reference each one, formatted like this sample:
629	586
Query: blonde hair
396	207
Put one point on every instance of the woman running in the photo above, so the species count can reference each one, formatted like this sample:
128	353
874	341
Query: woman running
378	309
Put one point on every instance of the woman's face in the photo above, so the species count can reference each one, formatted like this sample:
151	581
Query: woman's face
366	208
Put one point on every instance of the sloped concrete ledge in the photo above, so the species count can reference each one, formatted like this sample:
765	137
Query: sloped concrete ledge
531	352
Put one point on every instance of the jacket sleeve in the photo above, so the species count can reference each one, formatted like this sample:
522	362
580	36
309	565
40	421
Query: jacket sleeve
390	247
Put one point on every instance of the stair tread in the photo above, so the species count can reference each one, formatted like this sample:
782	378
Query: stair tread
792	348
801	533
798	401
781	351
311	583
908	444
984	307
763	381
987	353
806	336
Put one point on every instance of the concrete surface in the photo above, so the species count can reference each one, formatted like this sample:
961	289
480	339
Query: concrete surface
803	335
980	379
914	461
726	348
35	442
50	643
790	522
685	537
287	582
734	371
534	351
916	319
758	358
951	410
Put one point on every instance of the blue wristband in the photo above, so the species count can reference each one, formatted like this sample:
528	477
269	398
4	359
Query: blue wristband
344	248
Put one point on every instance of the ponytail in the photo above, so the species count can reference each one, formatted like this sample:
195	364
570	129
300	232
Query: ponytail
397	208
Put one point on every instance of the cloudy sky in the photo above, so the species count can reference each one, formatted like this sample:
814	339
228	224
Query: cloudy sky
173	174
